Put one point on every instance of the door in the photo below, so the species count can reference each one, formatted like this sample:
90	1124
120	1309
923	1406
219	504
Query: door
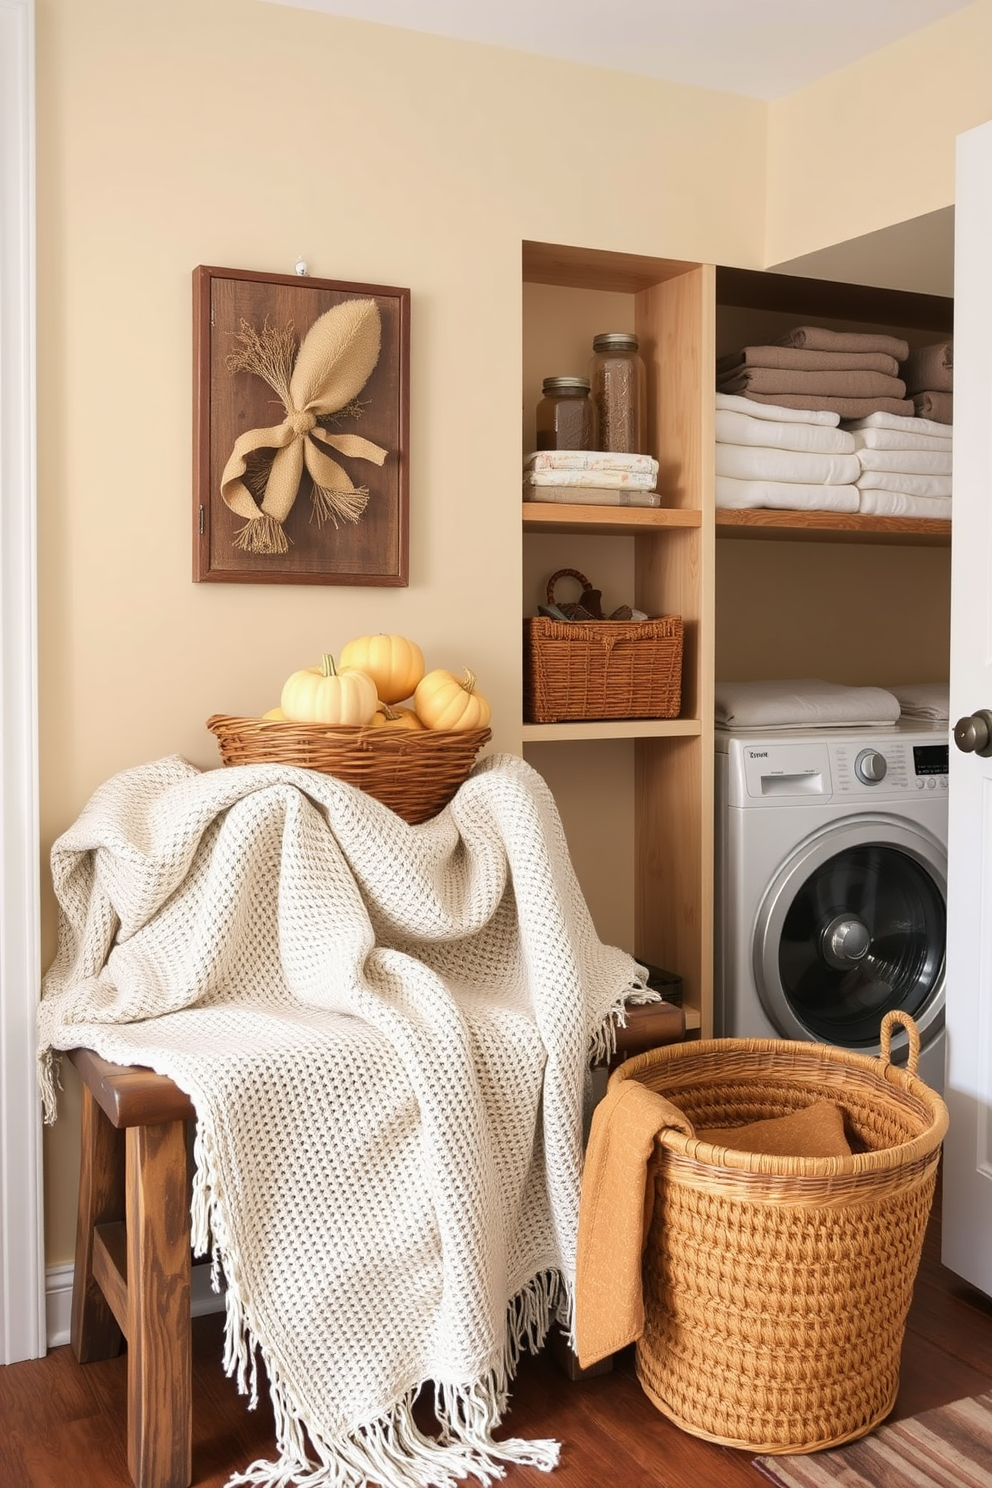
967	1215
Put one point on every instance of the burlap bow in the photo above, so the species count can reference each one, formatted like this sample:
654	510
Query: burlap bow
333	364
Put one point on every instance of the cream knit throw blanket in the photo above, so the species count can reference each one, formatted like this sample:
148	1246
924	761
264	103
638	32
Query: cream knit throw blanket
386	1033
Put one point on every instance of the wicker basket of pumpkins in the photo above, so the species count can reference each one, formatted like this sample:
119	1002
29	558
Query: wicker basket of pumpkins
375	718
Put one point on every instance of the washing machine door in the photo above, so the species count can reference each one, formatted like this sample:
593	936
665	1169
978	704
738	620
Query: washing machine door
854	924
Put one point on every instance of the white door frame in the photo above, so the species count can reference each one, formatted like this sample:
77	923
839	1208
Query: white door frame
22	1271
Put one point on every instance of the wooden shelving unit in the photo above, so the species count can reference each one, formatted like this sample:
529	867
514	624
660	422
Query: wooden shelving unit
675	313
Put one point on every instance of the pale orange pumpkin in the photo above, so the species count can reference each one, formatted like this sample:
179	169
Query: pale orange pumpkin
274	715
386	716
326	694
443	701
394	663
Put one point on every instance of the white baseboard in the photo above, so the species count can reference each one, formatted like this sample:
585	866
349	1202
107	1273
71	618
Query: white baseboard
58	1300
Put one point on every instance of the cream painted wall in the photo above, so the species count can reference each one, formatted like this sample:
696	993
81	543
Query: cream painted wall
241	134
873	145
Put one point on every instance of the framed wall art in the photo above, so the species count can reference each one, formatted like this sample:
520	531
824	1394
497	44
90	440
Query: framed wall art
301	414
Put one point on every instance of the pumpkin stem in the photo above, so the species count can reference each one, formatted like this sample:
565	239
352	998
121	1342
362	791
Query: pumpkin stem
470	681
327	666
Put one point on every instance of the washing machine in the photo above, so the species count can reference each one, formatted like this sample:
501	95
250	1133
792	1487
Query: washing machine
831	886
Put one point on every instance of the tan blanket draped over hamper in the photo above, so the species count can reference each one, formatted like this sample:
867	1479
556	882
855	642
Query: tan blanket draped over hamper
386	1032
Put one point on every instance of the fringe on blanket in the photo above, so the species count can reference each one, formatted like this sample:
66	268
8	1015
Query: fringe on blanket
603	1044
390	1451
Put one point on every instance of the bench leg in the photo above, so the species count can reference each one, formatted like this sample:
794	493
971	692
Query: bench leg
94	1333
159	1394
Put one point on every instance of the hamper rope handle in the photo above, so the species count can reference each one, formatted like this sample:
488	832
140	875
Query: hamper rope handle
896	1017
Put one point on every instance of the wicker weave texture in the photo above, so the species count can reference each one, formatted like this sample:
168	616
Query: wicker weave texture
414	773
591	669
776	1289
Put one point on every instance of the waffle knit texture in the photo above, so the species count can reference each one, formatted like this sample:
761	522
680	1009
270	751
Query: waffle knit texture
386	1033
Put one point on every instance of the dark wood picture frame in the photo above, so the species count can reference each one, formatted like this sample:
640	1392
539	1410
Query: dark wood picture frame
227	404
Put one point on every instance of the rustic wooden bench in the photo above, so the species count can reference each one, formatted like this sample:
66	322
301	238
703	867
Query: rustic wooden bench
132	1266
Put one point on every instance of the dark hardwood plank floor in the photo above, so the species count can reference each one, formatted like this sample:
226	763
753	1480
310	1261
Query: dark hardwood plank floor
62	1426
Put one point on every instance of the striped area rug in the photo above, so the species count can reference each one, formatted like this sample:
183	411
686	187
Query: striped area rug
948	1447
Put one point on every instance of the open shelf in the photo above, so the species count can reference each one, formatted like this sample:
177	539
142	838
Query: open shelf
612	728
617	521
823	526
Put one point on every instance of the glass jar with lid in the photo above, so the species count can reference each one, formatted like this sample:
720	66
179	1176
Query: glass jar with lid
565	415
618	381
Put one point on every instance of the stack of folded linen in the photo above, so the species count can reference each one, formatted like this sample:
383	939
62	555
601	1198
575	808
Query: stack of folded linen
905	465
775	456
591	478
802	703
850	373
928	373
929	702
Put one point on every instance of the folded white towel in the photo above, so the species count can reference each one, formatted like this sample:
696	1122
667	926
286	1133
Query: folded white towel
807	702
589	460
904	422
903	504
909	485
784	495
908	462
637	480
739	428
929	700
745	462
777	412
896	439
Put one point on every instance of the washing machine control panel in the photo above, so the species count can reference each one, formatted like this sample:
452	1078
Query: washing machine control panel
892	767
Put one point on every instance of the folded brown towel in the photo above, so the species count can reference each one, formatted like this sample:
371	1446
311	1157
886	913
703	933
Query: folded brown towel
818	338
848	384
795	358
930	369
845	408
815	1131
934	405
618	1195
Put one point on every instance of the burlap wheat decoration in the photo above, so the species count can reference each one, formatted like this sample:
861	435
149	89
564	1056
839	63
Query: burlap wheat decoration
323	377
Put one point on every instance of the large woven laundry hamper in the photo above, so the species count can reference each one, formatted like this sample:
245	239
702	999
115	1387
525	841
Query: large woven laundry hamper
776	1289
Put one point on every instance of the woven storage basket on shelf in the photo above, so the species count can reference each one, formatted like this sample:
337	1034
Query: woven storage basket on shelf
413	772
776	1289
578	669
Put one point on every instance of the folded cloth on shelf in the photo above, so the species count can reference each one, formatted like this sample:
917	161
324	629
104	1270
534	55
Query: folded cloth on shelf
741	428
895	439
908	461
821	339
385	1031
910	485
752	462
591	495
767	408
839	384
904	424
796	358
929	368
590	460
903	504
927	700
805	702
935	405
741	495
638	480
844	408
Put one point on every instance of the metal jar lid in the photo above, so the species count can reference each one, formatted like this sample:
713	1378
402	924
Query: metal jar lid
615	341
565	385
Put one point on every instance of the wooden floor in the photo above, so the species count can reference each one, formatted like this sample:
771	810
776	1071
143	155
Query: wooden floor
61	1426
